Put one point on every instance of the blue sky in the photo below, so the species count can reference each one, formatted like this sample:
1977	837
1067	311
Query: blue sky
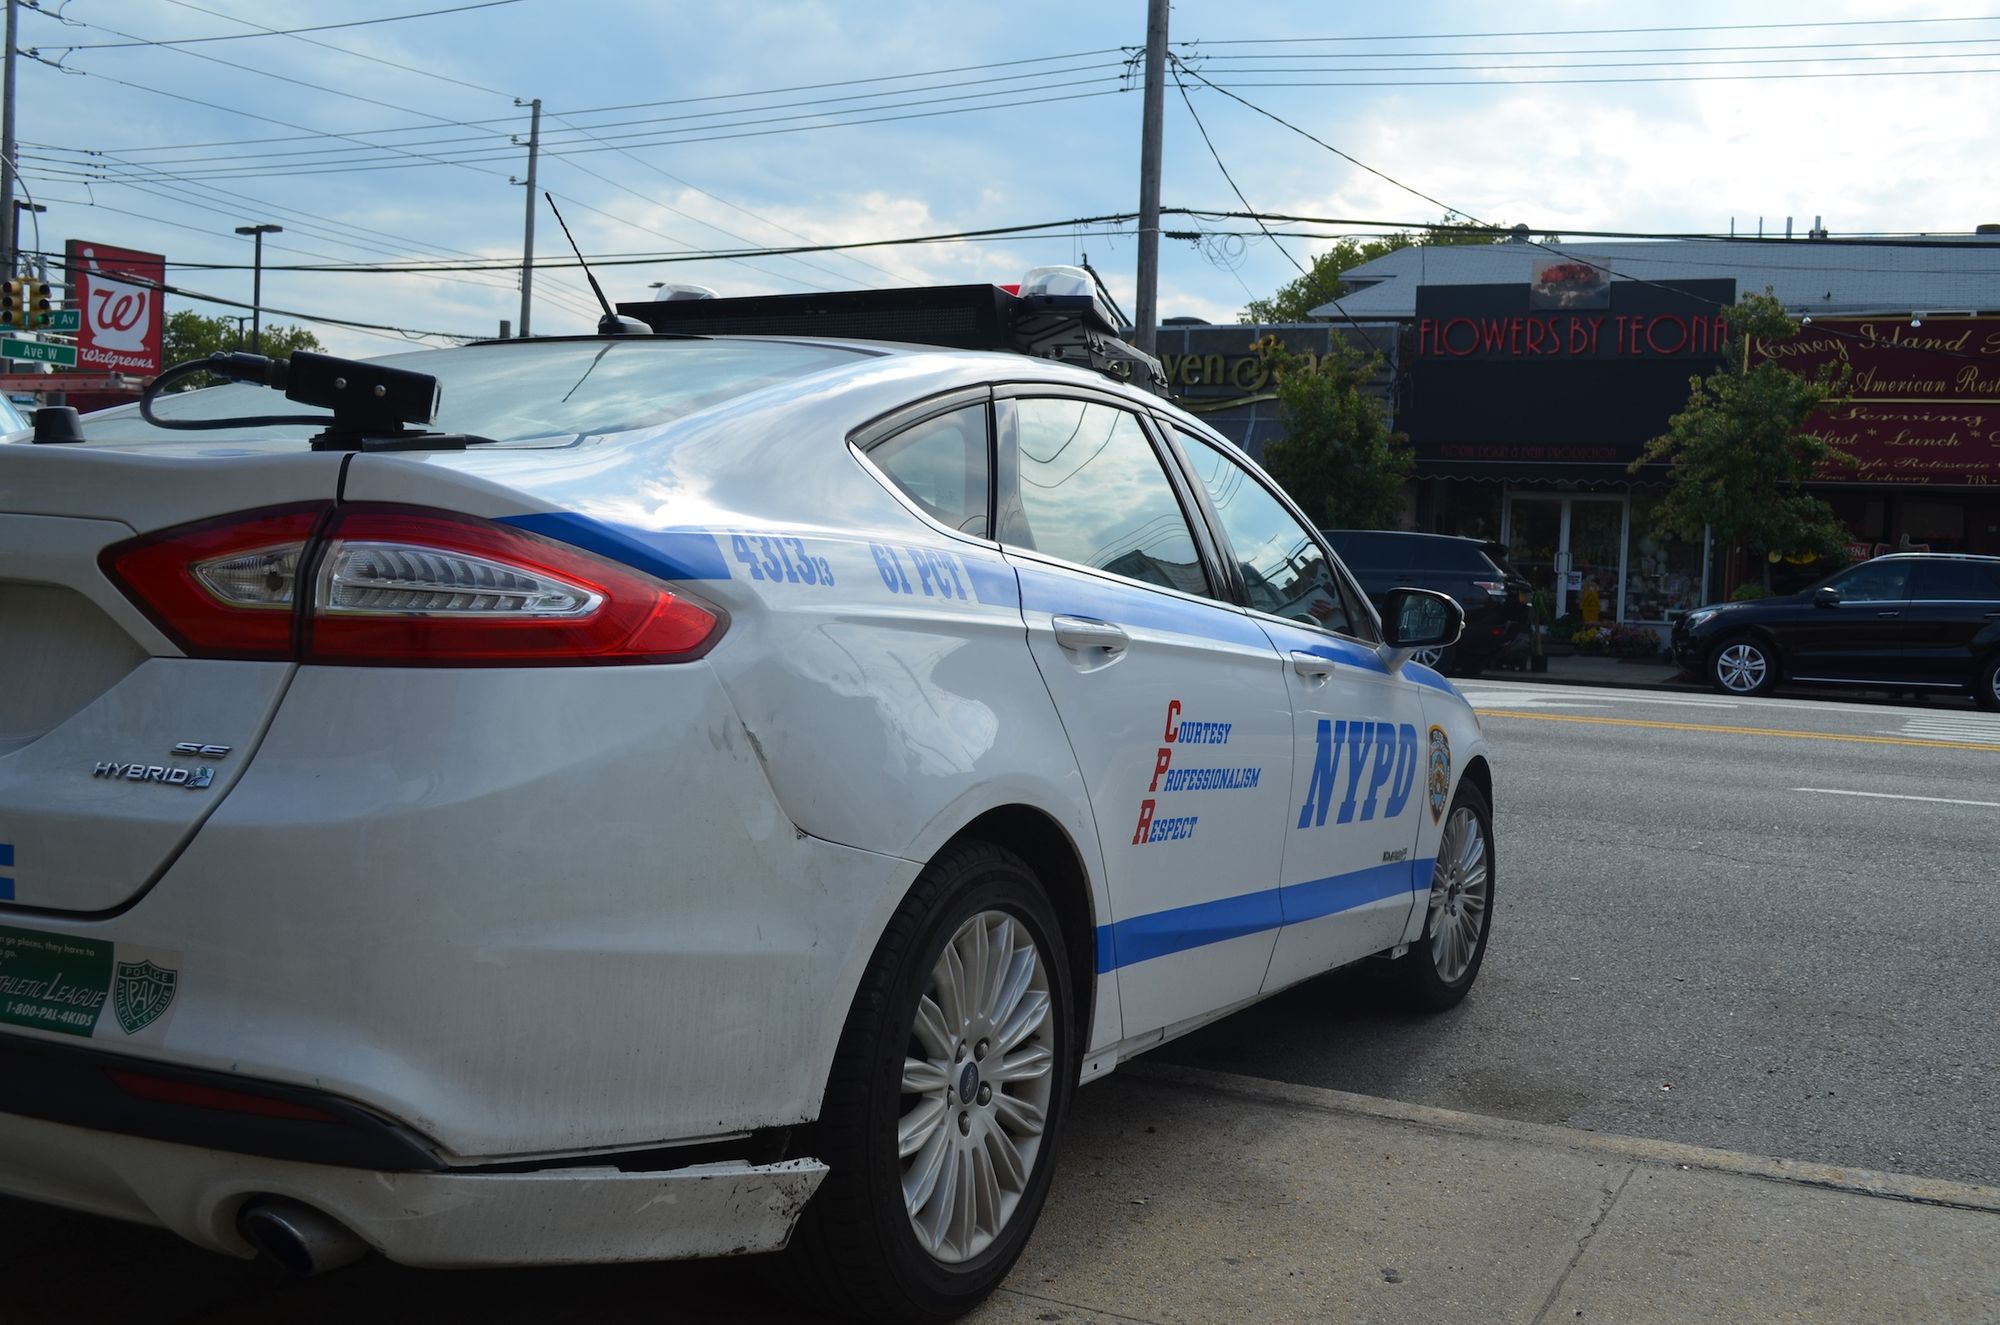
670	127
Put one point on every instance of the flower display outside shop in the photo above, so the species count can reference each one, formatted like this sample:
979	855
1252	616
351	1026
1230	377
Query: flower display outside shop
1625	640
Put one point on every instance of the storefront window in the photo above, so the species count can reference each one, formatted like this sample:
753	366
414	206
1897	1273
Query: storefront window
1665	572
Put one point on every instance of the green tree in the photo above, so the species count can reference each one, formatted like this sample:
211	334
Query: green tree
1741	449
1337	458
1295	301
189	335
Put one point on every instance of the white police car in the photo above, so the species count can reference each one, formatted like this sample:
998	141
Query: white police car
732	797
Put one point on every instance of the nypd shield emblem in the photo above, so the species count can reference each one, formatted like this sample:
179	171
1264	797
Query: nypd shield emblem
140	993
1437	785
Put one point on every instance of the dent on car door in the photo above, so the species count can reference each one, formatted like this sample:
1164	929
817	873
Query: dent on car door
1172	701
1350	873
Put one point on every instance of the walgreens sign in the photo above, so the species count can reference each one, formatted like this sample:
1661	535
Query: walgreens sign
118	292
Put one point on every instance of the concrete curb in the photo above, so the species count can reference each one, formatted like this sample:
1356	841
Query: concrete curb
1861	1182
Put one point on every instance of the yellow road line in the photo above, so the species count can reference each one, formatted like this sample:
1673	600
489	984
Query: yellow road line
1856	738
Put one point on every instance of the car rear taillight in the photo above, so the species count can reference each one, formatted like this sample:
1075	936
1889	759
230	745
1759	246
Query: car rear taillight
400	586
221	588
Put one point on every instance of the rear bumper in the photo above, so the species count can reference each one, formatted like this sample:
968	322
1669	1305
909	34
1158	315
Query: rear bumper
525	914
566	1216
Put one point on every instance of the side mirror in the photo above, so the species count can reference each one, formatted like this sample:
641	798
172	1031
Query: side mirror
1826	596
1420	619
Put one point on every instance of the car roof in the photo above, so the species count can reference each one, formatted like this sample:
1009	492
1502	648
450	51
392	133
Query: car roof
1933	556
1480	543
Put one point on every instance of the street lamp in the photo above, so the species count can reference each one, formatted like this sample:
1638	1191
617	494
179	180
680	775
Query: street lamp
257	278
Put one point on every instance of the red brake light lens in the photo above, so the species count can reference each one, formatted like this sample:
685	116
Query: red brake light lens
399	586
404	587
221	588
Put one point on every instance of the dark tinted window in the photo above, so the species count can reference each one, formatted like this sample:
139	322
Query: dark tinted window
1956	579
1283	566
1874	582
941	465
1092	492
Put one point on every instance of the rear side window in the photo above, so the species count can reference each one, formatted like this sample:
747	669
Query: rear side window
941	465
1956	579
1092	492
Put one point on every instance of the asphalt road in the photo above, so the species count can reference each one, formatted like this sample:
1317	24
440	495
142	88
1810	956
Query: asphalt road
1715	924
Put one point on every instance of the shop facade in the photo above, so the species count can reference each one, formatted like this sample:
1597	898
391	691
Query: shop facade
1531	377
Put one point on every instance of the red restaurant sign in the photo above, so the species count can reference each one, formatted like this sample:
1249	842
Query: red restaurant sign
118	291
1922	405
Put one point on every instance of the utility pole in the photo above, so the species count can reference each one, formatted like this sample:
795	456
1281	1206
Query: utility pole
10	233
528	242
257	232
1146	315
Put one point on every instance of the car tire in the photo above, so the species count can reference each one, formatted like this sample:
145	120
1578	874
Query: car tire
1743	665
925	1027
1986	690
1439	968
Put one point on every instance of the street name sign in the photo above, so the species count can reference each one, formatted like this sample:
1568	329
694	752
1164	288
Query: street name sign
32	351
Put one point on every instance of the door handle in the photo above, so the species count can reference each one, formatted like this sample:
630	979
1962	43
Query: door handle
1312	666
1888	614
1075	632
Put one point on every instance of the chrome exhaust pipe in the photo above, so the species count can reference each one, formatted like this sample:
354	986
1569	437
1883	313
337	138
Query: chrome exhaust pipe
297	1237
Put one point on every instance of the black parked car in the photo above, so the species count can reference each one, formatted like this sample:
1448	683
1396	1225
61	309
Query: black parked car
1906	621
1475	573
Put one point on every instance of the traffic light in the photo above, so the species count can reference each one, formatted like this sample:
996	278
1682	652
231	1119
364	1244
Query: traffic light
35	311
13	300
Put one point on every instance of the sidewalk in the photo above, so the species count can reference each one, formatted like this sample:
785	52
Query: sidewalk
1189	1196
1574	669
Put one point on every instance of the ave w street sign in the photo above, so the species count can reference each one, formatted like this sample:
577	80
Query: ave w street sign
31	351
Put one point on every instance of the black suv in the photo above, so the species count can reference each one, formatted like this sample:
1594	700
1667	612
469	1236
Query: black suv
1475	573
1906	621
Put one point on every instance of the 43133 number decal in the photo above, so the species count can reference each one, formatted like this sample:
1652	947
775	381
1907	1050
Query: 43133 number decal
782	560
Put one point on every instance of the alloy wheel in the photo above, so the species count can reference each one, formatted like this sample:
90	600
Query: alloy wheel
1459	894
1741	668
978	1077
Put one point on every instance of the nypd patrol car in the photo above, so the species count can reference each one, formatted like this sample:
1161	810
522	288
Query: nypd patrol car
692	794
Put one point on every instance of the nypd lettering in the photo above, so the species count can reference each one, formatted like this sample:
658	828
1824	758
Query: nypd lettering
1381	770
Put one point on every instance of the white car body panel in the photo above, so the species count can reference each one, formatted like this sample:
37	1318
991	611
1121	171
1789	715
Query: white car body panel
547	914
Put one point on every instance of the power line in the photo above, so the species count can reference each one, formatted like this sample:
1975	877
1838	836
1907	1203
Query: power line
329	46
677	137
272	32
1614	32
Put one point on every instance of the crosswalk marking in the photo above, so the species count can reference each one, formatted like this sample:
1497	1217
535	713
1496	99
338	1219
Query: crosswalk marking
1971	728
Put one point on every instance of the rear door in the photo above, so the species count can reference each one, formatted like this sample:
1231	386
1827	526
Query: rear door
115	744
1952	617
1173	701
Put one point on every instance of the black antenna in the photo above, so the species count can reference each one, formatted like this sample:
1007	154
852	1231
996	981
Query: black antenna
611	324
